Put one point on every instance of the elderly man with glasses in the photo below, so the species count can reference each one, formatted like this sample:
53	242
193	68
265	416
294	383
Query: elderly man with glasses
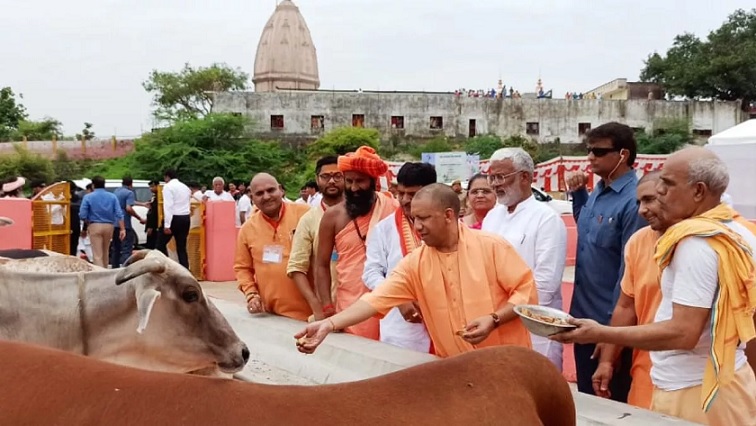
534	229
606	219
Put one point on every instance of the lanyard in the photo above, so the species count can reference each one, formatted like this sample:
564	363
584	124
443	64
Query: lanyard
277	223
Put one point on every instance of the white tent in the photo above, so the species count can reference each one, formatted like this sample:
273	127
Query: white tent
737	147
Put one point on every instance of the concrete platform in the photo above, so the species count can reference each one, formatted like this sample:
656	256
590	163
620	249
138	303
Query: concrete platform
343	358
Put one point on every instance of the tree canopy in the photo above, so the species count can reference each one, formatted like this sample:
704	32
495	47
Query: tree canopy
200	149
11	113
188	93
723	66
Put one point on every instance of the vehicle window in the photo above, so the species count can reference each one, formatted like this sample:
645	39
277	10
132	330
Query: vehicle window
143	195
537	194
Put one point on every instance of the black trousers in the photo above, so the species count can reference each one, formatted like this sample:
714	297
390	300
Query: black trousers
152	239
180	231
585	366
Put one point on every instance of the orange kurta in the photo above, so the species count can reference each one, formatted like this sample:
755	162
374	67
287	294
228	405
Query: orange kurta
351	263
262	254
641	282
453	289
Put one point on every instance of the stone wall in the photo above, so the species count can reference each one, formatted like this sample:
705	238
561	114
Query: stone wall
547	119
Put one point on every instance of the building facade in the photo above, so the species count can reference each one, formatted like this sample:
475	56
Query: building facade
309	114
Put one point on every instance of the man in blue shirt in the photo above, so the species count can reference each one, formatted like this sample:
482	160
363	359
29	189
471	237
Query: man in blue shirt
121	250
99	211
605	221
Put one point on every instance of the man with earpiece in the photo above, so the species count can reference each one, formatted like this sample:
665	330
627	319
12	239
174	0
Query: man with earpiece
605	221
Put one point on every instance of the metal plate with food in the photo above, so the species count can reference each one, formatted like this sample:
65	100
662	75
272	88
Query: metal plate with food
542	320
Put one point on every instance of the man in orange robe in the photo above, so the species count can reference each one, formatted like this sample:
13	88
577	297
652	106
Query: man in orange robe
344	230
466	283
638	300
262	252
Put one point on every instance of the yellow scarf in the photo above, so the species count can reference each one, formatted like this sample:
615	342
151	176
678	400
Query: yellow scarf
734	304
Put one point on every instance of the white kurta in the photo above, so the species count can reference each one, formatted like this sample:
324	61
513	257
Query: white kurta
384	251
538	234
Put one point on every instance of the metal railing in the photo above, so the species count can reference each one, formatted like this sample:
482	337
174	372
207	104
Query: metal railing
51	221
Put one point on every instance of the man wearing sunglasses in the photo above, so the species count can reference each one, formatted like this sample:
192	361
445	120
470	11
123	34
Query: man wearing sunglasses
605	221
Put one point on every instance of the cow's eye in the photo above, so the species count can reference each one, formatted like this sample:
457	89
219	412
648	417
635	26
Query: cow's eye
190	296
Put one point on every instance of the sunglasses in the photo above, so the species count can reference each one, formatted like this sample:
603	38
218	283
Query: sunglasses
600	152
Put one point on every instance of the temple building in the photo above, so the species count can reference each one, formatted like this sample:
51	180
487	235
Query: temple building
286	102
286	56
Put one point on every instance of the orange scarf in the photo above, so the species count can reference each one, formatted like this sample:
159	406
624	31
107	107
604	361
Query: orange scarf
408	237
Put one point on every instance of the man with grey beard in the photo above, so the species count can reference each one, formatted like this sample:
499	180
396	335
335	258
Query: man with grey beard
534	229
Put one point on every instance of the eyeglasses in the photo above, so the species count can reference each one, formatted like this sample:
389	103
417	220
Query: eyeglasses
325	177
501	177
600	152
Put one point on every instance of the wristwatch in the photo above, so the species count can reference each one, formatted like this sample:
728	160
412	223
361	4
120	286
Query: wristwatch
497	320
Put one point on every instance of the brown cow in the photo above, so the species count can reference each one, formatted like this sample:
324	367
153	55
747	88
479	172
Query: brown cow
495	386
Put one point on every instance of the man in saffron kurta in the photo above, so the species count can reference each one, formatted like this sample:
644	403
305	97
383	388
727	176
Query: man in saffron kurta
262	252
639	299
393	238
466	283
345	228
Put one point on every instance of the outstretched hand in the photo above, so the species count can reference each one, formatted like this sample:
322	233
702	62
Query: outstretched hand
313	335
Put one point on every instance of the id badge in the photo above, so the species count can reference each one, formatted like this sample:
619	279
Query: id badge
272	254
334	256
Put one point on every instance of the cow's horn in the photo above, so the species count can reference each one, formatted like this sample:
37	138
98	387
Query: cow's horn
140	268
5	221
136	256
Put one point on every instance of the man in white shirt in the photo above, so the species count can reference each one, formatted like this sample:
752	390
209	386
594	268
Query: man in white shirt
197	194
176	222
218	193
392	239
698	337
243	208
534	229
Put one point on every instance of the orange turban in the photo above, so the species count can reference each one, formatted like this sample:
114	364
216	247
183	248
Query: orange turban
364	160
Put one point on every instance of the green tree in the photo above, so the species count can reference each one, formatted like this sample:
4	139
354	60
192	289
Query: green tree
484	146
86	134
189	93
200	149
437	144
11	113
721	67
43	130
343	140
668	136
24	163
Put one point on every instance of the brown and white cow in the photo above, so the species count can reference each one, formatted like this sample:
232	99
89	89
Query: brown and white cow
152	314
495	386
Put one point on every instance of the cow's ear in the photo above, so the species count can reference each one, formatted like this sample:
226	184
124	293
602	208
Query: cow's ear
146	298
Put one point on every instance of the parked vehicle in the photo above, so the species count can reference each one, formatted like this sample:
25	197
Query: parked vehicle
142	194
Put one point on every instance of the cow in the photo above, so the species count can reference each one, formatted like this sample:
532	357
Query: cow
505	385
151	314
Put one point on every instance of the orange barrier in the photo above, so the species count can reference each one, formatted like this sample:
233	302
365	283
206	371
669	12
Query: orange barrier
569	222
220	240
18	235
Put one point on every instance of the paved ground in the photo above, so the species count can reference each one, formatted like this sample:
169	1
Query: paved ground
259	371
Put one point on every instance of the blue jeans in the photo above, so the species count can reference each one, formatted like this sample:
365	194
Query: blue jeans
121	250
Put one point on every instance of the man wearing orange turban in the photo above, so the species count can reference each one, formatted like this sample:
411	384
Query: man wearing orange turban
343	231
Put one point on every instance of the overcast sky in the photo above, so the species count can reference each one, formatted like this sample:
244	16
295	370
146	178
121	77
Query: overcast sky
85	60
